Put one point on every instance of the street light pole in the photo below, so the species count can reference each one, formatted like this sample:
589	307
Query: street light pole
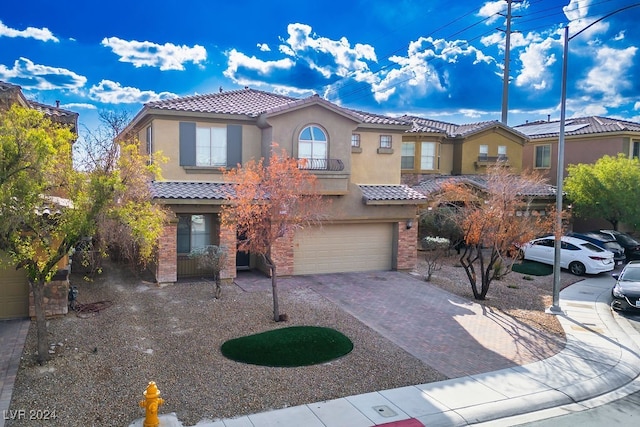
555	307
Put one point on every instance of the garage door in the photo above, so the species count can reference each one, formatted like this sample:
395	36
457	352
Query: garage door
14	293
343	248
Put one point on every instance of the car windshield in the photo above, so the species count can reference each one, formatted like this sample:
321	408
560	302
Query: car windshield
631	275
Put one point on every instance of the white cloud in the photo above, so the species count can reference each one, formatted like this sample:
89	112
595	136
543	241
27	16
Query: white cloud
42	34
41	77
609	76
536	60
78	105
636	106
491	10
342	57
237	60
111	92
167	56
417	70
264	47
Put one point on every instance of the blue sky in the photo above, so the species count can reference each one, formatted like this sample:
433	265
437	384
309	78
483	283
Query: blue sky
437	59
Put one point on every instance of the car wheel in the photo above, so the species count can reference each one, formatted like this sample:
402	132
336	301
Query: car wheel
577	268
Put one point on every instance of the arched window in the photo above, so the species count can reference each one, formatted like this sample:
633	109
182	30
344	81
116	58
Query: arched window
312	143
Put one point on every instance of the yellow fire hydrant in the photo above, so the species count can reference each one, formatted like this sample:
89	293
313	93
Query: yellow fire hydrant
151	403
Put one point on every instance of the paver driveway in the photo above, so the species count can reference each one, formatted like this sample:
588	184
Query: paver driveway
451	334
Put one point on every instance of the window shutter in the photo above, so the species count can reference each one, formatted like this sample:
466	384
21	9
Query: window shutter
234	145
187	144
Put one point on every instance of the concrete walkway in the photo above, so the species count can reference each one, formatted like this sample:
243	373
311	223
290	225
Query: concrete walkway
600	363
13	334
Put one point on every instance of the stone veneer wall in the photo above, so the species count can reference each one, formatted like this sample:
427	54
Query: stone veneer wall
282	255
407	246
56	296
228	241
167	260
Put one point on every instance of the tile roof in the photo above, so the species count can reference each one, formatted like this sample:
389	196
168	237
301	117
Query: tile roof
249	102
394	193
434	184
449	129
51	110
578	126
190	190
254	103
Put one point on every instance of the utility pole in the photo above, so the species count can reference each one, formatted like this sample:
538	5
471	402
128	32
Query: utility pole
507	61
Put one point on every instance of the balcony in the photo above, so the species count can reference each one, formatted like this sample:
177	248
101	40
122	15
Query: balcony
332	177
331	165
484	161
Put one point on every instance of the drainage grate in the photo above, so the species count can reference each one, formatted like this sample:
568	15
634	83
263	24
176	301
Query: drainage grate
385	411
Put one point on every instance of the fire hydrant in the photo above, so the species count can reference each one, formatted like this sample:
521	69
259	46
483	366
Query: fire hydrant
151	403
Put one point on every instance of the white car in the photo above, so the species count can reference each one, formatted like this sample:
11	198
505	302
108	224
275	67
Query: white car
576	255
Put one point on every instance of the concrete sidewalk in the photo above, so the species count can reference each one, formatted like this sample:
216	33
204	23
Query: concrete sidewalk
600	363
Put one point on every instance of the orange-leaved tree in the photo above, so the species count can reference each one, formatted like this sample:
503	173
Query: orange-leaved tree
269	201
494	219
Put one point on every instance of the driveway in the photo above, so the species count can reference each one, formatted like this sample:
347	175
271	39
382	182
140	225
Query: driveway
453	335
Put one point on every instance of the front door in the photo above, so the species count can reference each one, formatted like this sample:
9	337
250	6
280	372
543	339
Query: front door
242	258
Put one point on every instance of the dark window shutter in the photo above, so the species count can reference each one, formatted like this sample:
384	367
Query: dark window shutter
234	145
187	144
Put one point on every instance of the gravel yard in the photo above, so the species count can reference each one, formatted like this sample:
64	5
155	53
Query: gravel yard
172	335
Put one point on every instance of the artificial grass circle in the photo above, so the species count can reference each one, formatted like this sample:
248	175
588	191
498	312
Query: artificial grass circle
288	347
532	268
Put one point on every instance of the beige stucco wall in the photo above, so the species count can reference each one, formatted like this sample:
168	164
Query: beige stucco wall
492	138
369	165
166	138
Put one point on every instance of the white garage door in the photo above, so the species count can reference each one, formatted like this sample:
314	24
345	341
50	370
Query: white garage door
343	248
14	293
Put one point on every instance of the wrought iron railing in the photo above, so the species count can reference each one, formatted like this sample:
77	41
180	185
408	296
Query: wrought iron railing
334	165
492	159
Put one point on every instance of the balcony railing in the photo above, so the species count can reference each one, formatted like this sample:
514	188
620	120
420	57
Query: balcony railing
492	159
333	165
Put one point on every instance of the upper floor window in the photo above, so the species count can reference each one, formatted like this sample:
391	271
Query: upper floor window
635	150
502	152
385	141
312	143
484	152
355	140
542	156
408	155
428	156
211	146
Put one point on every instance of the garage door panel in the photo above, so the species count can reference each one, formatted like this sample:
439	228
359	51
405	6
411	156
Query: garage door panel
343	248
14	294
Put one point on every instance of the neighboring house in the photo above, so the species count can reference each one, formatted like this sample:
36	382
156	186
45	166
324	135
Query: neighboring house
431	147
14	294
586	140
356	157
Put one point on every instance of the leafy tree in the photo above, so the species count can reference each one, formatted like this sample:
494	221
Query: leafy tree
605	189
492	221
269	202
47	206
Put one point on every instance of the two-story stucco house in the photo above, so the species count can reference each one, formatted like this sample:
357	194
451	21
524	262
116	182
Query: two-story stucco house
587	139
356	157
433	148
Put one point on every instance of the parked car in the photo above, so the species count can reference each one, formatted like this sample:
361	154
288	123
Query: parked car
626	291
630	244
605	241
576	255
